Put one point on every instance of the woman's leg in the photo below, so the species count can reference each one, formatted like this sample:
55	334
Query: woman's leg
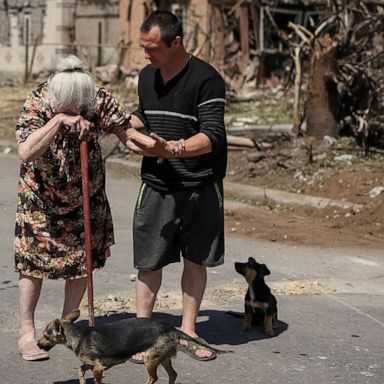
74	292
29	293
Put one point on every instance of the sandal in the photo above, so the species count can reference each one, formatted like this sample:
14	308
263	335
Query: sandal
29	350
190	348
136	361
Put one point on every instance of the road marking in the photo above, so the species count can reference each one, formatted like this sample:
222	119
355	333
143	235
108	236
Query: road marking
366	262
357	310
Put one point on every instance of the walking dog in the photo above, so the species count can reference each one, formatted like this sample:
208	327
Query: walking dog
104	346
259	303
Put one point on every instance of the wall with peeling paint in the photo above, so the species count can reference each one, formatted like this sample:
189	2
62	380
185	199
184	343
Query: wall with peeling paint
39	30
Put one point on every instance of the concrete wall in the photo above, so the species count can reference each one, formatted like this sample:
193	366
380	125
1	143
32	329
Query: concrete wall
49	37
196	24
63	26
132	14
56	25
98	22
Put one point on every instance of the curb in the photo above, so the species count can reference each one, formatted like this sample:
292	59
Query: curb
4	144
273	196
246	193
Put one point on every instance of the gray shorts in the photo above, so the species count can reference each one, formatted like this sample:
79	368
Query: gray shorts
189	223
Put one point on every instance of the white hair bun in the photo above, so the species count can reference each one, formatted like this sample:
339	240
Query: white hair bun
70	63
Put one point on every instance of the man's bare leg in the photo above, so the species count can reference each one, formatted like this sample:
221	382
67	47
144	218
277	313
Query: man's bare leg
193	283
73	294
147	286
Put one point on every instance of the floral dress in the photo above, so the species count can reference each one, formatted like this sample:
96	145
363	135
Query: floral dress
49	231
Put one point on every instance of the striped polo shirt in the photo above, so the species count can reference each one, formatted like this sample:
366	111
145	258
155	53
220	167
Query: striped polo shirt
191	102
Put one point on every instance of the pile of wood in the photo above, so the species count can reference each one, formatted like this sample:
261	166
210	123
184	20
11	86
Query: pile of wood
346	77
359	76
234	42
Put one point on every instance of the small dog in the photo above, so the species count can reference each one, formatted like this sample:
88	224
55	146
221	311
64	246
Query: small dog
102	347
260	304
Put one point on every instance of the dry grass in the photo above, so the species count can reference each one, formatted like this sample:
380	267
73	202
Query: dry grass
11	104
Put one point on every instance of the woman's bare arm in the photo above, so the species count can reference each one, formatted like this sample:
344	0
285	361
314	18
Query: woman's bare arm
39	141
135	140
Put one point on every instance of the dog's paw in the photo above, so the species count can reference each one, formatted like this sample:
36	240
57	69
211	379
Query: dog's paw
275	325
269	332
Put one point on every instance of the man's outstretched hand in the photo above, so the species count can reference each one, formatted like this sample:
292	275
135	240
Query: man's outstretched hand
153	145
167	149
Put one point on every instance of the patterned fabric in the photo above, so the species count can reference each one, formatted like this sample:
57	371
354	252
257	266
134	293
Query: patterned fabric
49	232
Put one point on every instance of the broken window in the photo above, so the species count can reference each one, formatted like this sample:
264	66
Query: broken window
270	40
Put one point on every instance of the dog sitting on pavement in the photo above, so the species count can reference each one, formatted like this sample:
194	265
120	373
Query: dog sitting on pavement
104	346
259	303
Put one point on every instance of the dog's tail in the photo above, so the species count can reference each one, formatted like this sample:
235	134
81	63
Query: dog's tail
196	341
236	314
257	316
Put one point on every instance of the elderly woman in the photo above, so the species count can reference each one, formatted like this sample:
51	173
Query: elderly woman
49	234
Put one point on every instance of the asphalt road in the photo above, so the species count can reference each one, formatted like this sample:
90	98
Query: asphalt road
331	323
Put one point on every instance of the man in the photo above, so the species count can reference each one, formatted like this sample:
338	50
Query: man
180	204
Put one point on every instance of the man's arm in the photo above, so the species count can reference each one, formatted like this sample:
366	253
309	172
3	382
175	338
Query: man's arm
155	146
196	145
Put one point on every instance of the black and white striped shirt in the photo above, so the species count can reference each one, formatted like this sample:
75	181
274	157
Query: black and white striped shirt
191	102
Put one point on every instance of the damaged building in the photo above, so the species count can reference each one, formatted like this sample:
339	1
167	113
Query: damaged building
33	33
237	37
232	35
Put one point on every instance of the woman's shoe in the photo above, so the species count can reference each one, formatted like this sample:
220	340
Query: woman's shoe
29	350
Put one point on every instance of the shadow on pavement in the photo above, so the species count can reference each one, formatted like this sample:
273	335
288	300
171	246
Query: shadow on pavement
216	327
72	381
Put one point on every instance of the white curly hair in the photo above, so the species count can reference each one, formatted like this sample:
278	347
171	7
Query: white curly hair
72	88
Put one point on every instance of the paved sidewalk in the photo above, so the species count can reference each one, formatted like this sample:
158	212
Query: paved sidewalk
331	330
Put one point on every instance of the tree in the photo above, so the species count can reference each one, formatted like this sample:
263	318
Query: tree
346	81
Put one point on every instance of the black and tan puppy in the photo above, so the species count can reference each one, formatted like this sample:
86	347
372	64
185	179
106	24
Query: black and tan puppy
260	304
104	346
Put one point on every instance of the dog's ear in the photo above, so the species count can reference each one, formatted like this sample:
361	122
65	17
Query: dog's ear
264	270
57	328
251	260
72	316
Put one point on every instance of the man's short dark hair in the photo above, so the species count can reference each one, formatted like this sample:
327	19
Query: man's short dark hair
169	25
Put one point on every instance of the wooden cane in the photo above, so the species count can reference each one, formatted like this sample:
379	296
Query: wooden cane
87	229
